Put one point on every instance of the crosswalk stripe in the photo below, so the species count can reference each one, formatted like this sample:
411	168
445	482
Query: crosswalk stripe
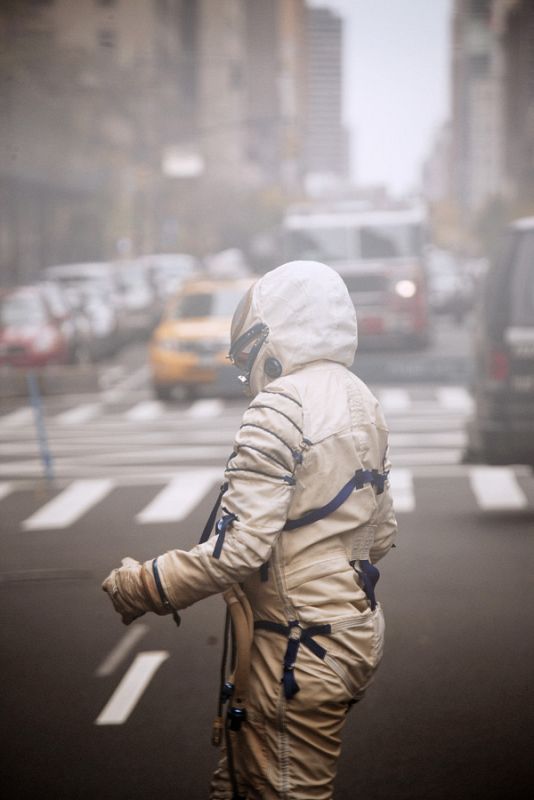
424	439
5	489
16	418
202	409
79	414
496	488
401	486
454	398
180	496
126	695
394	399
149	409
121	650
428	457
69	506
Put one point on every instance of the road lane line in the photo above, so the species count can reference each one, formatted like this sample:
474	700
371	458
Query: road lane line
136	379
149	409
121	650
23	416
496	489
401	485
394	399
70	505
177	500
423	439
125	697
203	409
75	416
454	398
5	489
430	457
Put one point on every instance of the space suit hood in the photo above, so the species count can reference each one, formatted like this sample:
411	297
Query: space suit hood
309	316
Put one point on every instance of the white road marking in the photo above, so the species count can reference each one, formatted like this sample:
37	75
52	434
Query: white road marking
121	650
160	455
125	697
134	380
5	489
69	506
23	416
454	398
203	409
401	485
150	409
421	439
179	498
394	399
111	375
78	415
496	488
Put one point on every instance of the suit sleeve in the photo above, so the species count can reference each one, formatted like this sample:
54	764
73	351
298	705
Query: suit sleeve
261	477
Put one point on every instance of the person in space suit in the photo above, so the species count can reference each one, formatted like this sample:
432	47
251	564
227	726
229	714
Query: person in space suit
306	514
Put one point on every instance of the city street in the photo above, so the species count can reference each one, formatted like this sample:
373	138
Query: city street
96	710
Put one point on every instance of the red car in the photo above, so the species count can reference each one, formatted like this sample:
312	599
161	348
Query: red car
30	336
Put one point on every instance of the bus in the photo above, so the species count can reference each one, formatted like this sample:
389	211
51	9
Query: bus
380	256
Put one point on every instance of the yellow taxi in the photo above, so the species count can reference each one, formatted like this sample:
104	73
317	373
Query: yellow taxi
188	349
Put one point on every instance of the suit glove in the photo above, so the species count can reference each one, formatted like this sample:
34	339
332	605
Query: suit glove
133	591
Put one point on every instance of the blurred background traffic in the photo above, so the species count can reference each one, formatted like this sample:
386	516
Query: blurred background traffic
148	143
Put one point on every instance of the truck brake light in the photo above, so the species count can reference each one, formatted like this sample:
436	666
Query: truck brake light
498	367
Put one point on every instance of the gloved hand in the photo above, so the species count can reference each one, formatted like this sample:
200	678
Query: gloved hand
132	590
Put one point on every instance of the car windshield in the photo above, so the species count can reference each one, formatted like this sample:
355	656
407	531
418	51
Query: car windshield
207	304
522	289
342	243
318	244
23	309
389	241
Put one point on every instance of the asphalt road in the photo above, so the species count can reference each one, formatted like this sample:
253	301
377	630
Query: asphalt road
93	710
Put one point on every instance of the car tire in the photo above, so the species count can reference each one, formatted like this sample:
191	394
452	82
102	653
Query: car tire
162	392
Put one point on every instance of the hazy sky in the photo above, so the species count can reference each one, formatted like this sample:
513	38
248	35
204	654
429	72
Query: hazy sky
396	92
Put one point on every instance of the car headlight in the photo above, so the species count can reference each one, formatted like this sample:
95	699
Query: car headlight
405	288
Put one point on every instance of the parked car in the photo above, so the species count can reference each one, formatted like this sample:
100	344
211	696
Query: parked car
137	298
189	347
97	315
502	428
79	274
30	334
168	271
450	285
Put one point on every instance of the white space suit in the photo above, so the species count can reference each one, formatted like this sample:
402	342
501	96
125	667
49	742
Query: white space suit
305	516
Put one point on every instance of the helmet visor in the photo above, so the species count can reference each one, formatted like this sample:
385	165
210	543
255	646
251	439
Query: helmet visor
246	347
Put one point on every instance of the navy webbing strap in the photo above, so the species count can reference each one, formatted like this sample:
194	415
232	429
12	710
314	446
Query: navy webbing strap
222	525
358	481
211	519
369	575
162	596
305	637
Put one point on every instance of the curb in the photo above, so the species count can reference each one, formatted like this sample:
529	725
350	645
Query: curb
51	380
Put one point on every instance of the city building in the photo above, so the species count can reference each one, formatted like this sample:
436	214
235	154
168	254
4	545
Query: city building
326	139
477	107
518	45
